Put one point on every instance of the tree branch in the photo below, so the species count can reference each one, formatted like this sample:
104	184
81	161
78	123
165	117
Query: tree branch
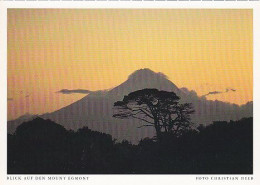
142	119
146	113
145	126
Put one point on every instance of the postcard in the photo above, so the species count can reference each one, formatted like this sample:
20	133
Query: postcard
129	92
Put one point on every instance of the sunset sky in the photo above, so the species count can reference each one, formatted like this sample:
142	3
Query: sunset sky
95	49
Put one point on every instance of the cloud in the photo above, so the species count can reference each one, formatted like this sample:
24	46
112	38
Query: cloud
230	89
146	73
80	91
213	92
219	92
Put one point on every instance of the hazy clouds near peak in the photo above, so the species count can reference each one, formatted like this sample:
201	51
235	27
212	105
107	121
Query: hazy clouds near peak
213	92
146	72
220	92
80	91
230	89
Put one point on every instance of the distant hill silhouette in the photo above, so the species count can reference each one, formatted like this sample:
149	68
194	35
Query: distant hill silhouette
96	109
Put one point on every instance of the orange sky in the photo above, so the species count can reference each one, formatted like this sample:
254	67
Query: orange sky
94	49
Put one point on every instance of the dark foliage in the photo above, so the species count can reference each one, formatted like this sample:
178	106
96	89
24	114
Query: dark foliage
44	147
159	109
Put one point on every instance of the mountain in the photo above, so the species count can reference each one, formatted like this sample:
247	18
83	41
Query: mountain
96	109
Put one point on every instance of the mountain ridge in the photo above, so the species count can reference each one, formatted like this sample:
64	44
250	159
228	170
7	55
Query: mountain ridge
95	110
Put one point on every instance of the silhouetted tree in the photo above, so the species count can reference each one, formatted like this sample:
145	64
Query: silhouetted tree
176	119
159	109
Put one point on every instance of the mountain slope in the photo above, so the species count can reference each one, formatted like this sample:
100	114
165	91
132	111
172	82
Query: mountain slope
96	109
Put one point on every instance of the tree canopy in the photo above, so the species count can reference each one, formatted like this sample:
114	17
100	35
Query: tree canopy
159	109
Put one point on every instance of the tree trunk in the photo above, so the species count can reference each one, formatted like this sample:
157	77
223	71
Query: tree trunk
158	132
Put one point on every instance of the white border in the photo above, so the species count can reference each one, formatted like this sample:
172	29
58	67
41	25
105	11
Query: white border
129	179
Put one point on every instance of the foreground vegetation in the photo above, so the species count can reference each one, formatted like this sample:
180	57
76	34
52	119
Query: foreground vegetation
44	147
